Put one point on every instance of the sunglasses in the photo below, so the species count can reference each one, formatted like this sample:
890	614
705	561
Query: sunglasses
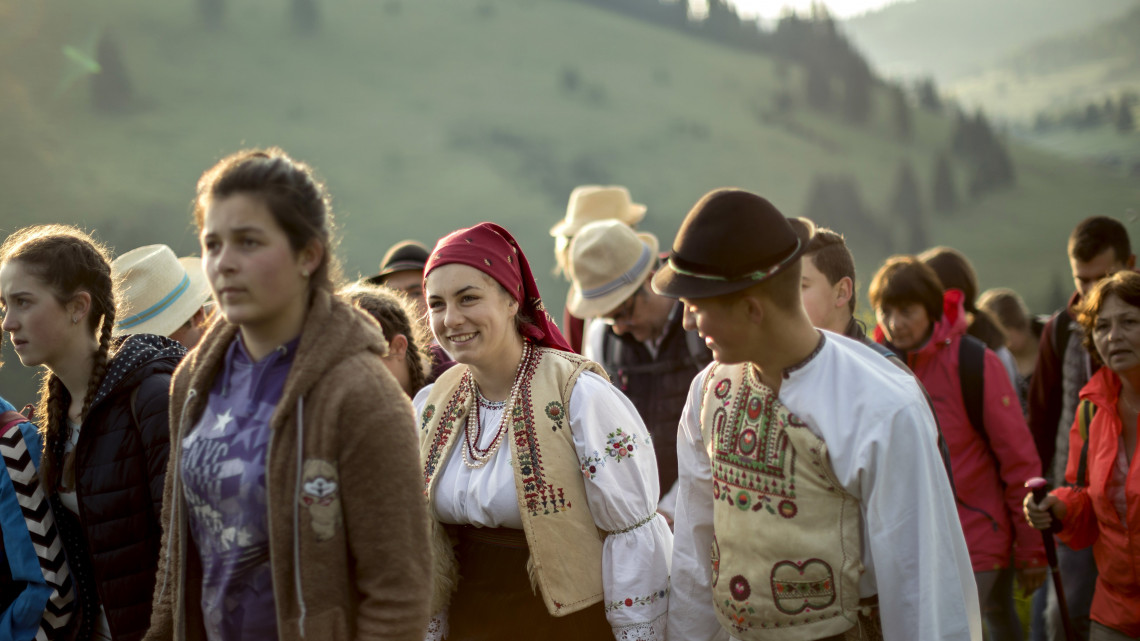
623	313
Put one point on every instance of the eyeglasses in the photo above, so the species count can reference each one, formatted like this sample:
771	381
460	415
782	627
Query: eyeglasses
625	312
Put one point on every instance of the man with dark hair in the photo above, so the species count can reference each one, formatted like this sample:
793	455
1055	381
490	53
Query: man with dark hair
808	463
636	334
1098	247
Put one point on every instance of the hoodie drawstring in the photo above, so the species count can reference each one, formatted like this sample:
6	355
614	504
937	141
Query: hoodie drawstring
175	499
296	511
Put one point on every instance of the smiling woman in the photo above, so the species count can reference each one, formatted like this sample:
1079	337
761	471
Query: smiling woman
540	469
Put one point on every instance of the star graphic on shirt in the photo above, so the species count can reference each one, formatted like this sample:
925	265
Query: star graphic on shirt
223	421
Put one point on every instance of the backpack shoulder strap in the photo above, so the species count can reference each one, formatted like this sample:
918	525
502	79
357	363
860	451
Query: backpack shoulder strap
971	374
881	349
1062	327
1085	412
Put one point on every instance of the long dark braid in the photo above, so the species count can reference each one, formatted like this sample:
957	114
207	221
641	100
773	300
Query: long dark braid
105	323
68	261
394	312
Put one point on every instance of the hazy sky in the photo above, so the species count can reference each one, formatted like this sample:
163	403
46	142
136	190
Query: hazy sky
838	8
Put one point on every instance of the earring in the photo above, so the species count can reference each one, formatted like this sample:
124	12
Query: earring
74	320
304	273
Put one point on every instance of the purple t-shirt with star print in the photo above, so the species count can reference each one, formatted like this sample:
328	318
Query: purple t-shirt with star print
223	482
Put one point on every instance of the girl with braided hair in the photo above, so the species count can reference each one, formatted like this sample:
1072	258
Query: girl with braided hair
103	414
407	357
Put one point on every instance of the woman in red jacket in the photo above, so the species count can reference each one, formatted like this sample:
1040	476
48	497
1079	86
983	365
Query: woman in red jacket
1101	504
990	462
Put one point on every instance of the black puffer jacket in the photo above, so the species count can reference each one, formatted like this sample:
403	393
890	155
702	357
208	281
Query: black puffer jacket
120	468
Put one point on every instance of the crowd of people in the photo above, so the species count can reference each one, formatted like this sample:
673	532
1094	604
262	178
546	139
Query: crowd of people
711	445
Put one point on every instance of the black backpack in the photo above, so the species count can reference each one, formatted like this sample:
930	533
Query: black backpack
972	378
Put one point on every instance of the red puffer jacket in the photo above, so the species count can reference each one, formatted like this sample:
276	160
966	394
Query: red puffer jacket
1092	518
989	479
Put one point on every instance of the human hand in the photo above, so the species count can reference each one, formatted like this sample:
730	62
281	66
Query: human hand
1030	579
1041	515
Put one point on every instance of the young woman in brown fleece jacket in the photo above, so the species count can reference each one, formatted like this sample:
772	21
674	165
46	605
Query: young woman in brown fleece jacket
293	507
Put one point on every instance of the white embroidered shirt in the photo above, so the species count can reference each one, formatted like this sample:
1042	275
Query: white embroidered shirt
883	445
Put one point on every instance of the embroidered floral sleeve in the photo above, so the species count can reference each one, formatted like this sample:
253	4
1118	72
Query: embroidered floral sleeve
620	470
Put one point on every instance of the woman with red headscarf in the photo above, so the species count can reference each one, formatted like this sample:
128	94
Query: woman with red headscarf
539	473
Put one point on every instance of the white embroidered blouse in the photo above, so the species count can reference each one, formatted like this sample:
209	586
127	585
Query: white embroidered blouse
621	486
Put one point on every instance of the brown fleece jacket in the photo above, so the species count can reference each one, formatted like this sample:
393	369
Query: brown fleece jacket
358	506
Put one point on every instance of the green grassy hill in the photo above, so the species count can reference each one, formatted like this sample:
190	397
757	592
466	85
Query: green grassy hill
425	117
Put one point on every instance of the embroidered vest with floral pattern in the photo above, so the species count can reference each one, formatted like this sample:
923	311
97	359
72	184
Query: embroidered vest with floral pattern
565	544
786	553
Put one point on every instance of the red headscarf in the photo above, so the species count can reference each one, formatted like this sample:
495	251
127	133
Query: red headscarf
493	251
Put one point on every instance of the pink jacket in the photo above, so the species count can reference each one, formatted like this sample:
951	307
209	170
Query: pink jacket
989	480
1092	518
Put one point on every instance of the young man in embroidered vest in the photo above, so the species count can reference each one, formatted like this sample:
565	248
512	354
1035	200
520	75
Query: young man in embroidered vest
812	503
636	334
1098	247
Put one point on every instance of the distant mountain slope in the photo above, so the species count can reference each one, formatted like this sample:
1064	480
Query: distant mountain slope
952	38
1062	72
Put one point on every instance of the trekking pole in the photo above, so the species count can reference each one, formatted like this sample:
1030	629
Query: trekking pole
1039	487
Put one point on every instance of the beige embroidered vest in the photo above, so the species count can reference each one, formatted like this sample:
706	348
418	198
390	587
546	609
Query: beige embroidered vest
786	553
565	545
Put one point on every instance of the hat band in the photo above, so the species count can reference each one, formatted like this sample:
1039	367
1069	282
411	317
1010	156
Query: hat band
757	275
157	308
628	277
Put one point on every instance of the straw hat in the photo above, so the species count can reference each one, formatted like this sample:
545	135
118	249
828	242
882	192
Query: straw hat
608	262
591	203
159	292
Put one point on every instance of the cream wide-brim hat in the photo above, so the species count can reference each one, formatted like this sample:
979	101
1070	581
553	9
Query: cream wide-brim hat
593	203
608	263
157	291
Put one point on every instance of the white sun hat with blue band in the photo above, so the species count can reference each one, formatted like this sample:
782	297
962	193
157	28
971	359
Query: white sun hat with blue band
157	291
608	263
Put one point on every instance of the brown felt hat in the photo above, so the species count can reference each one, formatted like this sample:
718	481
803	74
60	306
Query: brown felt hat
405	255
730	240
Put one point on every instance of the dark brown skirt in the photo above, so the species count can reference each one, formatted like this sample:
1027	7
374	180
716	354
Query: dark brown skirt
494	600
